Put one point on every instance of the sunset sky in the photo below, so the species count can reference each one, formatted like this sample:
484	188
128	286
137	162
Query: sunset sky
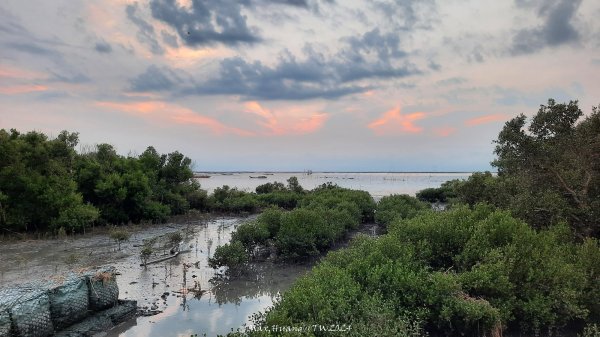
335	85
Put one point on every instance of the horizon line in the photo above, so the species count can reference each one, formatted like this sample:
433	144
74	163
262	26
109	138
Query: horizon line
304	172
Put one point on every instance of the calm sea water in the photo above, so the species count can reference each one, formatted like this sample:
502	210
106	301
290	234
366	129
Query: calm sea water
378	184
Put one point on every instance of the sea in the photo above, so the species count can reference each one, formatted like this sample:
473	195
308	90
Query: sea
378	184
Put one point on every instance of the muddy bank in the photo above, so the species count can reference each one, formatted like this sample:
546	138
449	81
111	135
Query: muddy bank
35	259
181	304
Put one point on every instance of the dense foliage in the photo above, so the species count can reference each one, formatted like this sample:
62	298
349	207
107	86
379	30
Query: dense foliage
446	193
465	271
323	216
37	186
475	270
396	206
231	254
548	170
46	185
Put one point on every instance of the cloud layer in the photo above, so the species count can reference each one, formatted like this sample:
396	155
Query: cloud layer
282	84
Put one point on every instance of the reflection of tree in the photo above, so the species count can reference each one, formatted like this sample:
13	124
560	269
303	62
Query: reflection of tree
261	279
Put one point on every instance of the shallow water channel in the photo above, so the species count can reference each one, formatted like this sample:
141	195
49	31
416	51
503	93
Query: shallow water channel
218	308
225	306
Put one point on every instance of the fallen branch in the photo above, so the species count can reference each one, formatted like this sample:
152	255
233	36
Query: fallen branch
164	258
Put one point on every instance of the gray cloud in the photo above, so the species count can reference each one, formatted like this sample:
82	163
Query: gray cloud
473	47
408	14
290	80
370	56
169	39
9	27
16	38
557	27
31	47
207	22
434	65
145	32
68	76
103	47
19	43
313	5
297	3
387	46
451	81
155	79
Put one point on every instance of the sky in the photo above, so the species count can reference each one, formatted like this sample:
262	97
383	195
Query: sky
292	85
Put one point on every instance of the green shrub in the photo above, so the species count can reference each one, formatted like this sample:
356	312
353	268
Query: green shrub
177	203
460	272
328	296
197	199
332	196
341	220
397	206
146	252
156	211
588	262
174	238
77	217
590	330
271	219
270	188
240	204
446	193
62	233
231	255
284	199
294	186
298	234
431	195
119	235
232	200
250	235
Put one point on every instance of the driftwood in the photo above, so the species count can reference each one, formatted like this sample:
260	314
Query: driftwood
164	258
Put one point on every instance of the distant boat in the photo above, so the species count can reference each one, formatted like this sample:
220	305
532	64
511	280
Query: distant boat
201	176
259	177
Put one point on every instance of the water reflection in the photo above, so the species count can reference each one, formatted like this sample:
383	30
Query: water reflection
227	306
193	298
264	280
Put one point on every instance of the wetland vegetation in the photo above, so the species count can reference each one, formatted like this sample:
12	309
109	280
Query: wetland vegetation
513	252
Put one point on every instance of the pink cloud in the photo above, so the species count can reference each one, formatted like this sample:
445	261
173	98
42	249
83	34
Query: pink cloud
444	131
291	121
485	119
393	121
162	112
185	56
20	73
22	89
